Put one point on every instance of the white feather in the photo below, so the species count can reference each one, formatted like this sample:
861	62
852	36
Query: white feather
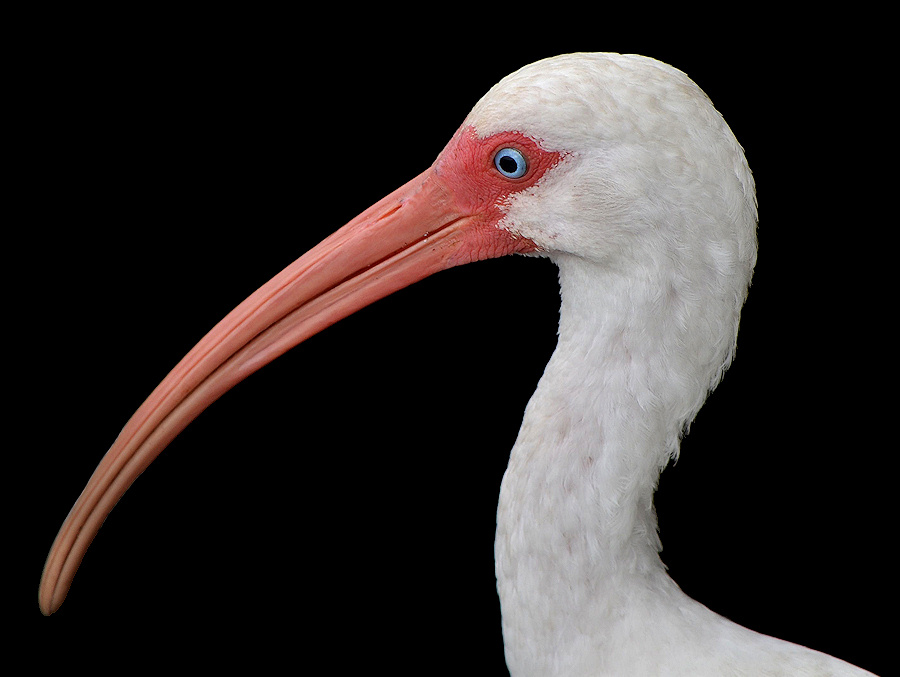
651	218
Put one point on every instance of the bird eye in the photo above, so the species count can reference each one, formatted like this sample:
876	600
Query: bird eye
511	163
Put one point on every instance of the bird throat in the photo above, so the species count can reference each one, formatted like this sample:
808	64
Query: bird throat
576	529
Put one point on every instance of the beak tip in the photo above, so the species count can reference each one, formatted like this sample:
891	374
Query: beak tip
49	606
46	607
49	599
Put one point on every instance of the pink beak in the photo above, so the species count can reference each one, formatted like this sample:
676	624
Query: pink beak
419	229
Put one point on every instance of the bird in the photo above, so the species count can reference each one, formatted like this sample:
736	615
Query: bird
620	170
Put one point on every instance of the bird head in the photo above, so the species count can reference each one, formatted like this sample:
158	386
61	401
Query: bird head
645	169
616	160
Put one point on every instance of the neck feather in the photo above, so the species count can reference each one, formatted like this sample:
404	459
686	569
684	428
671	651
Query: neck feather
576	528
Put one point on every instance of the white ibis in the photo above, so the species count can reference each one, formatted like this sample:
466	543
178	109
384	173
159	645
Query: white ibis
621	171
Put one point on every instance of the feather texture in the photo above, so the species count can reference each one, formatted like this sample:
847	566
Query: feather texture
651	218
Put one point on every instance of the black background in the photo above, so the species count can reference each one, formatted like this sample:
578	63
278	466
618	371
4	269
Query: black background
340	504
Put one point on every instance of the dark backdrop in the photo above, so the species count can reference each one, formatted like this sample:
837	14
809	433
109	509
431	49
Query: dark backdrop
341	502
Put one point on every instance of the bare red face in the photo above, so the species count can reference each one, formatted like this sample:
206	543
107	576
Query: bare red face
479	181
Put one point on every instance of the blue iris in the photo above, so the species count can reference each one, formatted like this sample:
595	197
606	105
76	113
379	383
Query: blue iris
511	163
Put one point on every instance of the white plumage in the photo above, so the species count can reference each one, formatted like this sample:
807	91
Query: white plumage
651	220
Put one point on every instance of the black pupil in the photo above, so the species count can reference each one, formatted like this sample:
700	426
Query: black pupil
508	164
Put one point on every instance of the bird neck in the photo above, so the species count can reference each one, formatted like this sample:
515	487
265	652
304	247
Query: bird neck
576	528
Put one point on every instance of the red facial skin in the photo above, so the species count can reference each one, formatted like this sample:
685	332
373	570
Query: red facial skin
466	168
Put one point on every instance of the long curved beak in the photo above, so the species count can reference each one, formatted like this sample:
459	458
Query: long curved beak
410	234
